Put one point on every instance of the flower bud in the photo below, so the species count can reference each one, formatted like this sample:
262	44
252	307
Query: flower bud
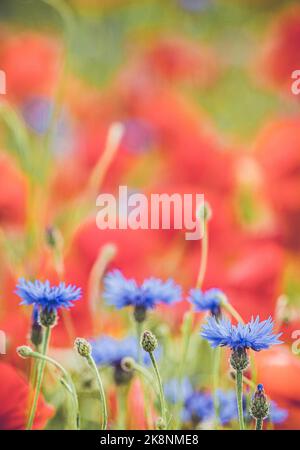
239	359
24	351
122	376
48	318
127	364
36	334
83	347
139	314
160	424
53	237
148	342
204	212
259	408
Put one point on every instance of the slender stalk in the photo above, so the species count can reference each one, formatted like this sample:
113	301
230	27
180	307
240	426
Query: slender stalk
216	378
259	424
139	326
239	396
39	378
147	375
69	385
186	331
121	393
232	311
101	389
204	255
161	392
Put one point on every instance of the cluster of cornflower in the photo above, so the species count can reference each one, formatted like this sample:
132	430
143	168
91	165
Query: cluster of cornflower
198	405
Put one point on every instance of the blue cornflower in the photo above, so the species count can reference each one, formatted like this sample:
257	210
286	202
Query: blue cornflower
46	297
199	406
228	410
210	300
108	351
121	292
255	334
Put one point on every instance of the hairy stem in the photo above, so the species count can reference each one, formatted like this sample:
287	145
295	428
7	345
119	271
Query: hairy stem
239	396
259	424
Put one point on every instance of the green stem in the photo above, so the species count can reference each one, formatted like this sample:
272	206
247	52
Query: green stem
239	396
204	255
232	311
186	331
138	335
161	392
39	378
101	389
216	377
122	394
69	385
259	424
147	375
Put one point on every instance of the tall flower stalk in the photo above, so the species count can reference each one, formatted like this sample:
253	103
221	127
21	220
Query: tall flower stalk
254	335
46	301
67	382
149	344
39	378
84	349
122	292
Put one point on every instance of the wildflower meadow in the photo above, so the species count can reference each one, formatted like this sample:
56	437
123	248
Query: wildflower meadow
149	215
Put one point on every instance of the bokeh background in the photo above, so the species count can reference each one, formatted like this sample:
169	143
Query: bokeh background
203	90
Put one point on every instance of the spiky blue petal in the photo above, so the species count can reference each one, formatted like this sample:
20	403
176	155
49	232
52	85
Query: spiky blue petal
120	291
45	296
255	334
209	300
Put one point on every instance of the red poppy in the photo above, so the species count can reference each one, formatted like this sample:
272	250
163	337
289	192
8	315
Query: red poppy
278	150
12	193
31	63
281	53
14	394
174	59
279	371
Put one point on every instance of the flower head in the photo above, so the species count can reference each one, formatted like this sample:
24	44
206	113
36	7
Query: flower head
121	292
209	300
259	407
45	296
255	334
198	407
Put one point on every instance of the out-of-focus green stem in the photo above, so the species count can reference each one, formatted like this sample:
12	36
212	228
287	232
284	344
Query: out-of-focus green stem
232	311
204	256
92	364
161	392
216	378
68	384
39	378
